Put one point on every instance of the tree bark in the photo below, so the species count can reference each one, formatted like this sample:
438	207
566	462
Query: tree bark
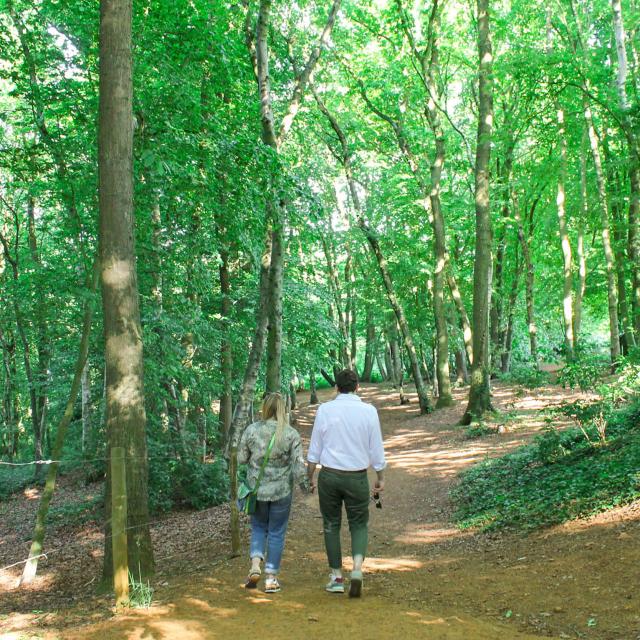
125	410
582	260
369	347
633	244
334	285
612	297
313	391
86	405
530	278
42	345
226	356
567	271
479	393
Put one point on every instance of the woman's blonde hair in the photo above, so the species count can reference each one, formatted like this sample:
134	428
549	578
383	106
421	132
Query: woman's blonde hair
275	408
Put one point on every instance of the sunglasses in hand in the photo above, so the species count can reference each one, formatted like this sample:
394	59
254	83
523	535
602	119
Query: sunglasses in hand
377	500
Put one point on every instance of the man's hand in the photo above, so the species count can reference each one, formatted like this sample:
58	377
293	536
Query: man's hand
378	487
311	472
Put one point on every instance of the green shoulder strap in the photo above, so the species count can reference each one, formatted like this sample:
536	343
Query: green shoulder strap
264	462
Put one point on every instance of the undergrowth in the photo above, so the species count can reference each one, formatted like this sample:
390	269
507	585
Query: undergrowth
562	474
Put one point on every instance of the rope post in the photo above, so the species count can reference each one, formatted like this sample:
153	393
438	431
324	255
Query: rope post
118	526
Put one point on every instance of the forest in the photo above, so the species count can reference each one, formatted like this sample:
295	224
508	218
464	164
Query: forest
205	200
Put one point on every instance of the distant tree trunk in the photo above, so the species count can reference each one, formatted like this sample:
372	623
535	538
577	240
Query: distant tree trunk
614	342
369	347
627	338
479	393
507	335
504	172
328	378
530	277
567	295
226	356
582	262
334	285
10	395
396	360
42	345
383	370
86	405
467	334
633	245
423	396
125	411
462	375
351	312
313	391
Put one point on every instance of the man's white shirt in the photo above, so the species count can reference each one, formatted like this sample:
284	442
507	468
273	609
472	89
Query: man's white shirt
346	435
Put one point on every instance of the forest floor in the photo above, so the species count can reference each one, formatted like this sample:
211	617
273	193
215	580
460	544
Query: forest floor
424	576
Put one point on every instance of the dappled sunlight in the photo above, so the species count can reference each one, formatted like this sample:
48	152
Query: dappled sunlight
422	534
183	629
198	603
374	565
259	598
31	493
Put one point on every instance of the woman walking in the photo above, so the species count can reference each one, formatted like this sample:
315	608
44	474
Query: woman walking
273	439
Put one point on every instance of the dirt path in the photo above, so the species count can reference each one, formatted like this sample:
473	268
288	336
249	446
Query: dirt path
424	578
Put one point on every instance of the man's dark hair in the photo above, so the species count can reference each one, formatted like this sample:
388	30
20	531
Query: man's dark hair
346	381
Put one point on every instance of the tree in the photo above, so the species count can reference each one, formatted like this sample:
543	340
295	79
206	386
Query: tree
125	409
479	393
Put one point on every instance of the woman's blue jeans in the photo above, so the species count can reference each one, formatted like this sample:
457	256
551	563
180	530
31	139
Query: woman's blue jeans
268	529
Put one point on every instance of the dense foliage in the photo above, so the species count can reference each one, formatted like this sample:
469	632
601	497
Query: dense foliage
563	473
205	183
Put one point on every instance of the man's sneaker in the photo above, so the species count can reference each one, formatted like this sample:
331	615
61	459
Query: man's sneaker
335	585
355	586
271	585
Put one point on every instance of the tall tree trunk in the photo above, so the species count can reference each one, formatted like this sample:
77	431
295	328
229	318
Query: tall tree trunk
369	347
125	410
351	312
633	245
313	391
86	405
479	393
396	360
507	334
467	334
529	291
582	260
334	285
567	271
612	297
226	355
42	345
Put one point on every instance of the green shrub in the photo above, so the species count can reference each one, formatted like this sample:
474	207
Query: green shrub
584	372
560	475
478	430
526	374
185	483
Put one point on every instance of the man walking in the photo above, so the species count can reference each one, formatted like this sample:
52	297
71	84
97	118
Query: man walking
346	440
